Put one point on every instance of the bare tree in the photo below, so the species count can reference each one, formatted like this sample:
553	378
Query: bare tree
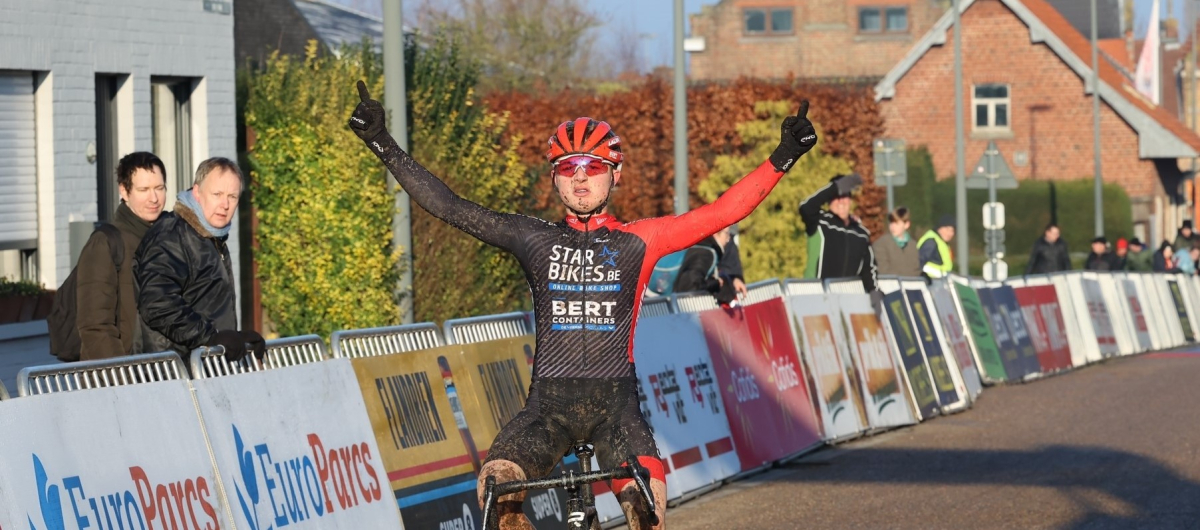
520	43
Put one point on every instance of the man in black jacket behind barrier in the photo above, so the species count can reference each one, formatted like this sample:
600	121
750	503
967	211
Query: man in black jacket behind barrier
838	244
184	273
1049	253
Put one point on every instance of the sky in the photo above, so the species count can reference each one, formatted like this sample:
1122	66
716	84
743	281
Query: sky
653	20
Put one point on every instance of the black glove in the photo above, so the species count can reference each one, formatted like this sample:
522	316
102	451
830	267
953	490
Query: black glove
369	120
848	183
256	342
877	301
798	138
233	343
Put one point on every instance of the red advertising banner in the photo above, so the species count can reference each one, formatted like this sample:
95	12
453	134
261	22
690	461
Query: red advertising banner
764	388
1039	305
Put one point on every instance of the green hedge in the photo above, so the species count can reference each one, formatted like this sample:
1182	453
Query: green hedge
1028	210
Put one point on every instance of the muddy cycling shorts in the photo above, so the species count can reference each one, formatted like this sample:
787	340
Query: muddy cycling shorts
562	411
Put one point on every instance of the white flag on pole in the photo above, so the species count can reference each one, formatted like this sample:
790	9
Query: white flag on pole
1146	78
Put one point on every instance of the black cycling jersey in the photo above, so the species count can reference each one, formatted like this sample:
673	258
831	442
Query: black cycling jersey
587	278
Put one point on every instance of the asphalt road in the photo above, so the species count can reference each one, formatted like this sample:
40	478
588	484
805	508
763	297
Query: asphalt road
1108	446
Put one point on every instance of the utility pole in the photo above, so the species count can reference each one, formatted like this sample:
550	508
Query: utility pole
960	179
681	169
396	97
1099	185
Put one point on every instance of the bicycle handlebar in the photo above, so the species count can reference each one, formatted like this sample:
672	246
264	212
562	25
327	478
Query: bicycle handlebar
570	479
566	480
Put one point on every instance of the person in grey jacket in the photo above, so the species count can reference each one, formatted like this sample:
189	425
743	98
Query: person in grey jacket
896	252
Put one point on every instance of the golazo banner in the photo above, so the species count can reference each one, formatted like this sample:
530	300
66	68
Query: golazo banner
682	403
956	336
1010	352
294	450
980	325
431	472
1140	329
943	379
1047	328
1101	323
920	382
1181	310
119	457
839	402
762	386
879	378
1006	299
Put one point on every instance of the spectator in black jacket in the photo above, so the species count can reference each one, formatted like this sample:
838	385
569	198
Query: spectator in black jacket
1049	253
1164	259
1101	259
730	266
698	272
839	246
184	272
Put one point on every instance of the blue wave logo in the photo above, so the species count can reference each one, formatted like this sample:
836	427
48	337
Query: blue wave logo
249	481
49	499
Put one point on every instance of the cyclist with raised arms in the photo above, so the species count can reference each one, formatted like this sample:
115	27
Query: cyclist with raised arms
587	274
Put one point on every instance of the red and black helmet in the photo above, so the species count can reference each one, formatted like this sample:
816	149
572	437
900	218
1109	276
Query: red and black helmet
588	137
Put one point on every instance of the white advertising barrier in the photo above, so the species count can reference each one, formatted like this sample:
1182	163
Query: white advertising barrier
1102	322
956	337
1170	309
1194	285
1164	308
1118	315
1155	328
1084	302
118	457
879	376
1189	297
1162	312
1139	320
296	449
941	341
876	373
1081	342
1178	288
817	329
683	402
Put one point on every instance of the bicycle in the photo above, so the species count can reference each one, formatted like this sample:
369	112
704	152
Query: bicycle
581	502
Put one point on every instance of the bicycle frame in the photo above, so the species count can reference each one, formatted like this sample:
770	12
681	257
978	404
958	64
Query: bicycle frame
581	503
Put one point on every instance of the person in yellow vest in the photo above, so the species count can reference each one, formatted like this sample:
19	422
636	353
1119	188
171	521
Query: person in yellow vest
934	249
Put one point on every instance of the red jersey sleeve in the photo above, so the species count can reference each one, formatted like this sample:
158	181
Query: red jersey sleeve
667	234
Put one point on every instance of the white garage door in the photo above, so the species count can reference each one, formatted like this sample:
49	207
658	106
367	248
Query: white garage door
18	174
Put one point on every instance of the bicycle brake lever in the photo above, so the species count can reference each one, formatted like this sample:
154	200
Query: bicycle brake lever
641	477
489	501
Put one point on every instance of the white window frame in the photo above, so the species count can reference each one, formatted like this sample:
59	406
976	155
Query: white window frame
881	11
767	31
991	104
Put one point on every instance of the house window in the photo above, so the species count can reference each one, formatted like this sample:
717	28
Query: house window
171	125
767	21
992	104
882	19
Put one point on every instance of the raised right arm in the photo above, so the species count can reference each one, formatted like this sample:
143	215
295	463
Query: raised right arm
489	226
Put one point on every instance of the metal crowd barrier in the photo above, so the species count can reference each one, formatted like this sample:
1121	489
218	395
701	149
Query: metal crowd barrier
118	371
694	302
764	290
655	307
373	342
844	286
485	328
209	362
887	284
795	287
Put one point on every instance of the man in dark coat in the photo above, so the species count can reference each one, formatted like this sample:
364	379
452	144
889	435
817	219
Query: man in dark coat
185	275
1101	259
1049	253
106	311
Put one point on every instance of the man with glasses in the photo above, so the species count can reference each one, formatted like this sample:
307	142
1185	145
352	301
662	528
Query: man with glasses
587	274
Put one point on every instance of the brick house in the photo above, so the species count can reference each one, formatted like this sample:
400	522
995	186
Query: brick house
829	39
1026	73
85	83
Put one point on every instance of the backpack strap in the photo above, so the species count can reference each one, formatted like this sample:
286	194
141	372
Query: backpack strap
116	246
